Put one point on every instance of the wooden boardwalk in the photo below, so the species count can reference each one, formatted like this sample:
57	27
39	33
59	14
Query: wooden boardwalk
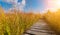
39	28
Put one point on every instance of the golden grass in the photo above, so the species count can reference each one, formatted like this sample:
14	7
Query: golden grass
53	19
17	22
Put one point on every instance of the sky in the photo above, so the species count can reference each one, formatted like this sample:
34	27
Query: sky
26	5
53	5
35	5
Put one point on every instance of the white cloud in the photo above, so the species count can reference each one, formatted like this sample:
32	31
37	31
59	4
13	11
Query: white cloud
16	4
10	1
23	2
20	5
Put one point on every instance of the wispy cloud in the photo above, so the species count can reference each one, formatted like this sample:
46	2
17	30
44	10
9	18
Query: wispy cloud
10	1
23	2
16	4
21	5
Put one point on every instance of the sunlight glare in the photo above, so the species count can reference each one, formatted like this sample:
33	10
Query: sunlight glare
58	2
54	4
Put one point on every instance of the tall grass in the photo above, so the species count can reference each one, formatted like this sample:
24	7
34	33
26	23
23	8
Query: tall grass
16	23
53	19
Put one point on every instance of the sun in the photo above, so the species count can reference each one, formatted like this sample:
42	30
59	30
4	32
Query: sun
53	5
57	2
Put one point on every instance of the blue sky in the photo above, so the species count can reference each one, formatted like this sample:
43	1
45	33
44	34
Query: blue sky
30	4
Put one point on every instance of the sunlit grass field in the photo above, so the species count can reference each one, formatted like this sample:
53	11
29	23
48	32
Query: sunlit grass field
16	23
53	19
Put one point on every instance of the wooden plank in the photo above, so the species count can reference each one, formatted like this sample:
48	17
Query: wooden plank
40	28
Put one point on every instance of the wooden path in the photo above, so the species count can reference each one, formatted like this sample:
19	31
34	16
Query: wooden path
40	28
